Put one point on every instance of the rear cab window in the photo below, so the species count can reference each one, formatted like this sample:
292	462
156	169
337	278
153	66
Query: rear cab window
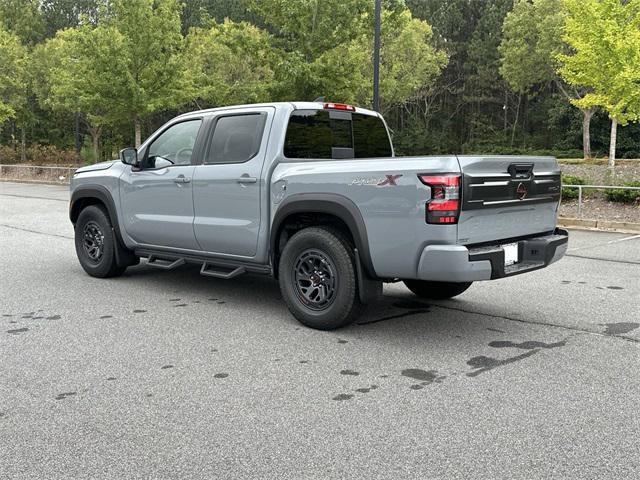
334	134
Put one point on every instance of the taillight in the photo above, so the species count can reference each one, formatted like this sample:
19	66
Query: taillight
444	205
339	106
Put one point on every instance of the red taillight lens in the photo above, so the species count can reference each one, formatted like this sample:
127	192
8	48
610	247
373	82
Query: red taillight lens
448	180
444	204
339	106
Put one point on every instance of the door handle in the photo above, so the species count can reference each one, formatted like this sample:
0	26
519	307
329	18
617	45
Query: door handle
181	179
247	179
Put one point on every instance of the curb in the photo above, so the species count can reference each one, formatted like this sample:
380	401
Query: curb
38	182
603	225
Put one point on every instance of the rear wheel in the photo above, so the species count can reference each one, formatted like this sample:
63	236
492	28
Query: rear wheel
96	243
318	279
436	290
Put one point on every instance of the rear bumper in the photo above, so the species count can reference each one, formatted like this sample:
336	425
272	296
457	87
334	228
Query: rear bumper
458	263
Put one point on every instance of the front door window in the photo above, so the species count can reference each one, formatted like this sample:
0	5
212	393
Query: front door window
174	146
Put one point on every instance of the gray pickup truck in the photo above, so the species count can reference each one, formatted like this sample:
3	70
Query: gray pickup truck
312	194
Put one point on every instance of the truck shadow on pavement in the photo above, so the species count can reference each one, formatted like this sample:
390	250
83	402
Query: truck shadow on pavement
256	291
397	317
394	313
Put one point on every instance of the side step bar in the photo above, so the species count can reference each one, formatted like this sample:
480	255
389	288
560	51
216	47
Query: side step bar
218	274
165	264
211	267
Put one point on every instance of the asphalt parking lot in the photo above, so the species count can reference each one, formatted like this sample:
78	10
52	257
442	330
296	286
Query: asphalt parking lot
169	374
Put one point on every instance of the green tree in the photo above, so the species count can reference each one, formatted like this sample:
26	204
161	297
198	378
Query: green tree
77	70
468	104
12	74
230	63
151	74
312	27
532	40
409	62
604	36
199	13
61	14
328	49
24	19
486	94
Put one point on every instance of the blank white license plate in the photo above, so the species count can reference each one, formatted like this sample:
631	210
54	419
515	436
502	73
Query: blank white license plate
510	253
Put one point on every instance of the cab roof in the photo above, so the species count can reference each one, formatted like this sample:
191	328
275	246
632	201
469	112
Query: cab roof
289	105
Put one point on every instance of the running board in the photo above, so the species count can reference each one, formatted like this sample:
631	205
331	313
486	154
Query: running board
211	267
165	264
221	274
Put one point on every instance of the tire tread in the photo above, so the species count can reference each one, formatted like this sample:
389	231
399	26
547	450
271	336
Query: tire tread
347	311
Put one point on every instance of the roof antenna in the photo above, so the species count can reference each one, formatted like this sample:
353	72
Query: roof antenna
319	99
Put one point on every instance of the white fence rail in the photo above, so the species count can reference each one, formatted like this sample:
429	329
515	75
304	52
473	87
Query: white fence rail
595	187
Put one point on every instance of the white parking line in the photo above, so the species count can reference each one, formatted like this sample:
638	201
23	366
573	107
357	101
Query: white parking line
604	244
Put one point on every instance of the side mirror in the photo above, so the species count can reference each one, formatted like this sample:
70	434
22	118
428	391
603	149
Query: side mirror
129	156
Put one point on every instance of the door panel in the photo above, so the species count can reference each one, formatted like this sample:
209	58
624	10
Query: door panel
227	187
158	206
157	199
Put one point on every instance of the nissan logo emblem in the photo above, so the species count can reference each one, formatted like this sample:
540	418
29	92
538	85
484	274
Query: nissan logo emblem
521	191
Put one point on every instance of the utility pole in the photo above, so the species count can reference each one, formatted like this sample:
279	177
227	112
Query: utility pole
376	57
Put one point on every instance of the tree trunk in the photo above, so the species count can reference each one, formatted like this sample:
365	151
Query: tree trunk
14	143
612	145
138	139
587	113
515	122
504	110
23	145
76	134
95	141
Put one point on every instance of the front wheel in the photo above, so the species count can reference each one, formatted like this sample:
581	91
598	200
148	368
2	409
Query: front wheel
317	278
96	243
436	290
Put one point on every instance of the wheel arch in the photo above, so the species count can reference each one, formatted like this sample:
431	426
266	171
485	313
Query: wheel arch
87	195
333	205
84	196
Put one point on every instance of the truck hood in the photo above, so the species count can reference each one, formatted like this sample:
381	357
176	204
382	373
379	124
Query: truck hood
97	166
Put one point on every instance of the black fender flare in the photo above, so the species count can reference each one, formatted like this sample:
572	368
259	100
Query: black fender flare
124	256
100	193
329	203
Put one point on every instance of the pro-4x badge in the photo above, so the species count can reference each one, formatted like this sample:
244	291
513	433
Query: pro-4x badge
377	181
389	180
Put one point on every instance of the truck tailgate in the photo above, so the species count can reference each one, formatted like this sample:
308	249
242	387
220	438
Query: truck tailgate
507	196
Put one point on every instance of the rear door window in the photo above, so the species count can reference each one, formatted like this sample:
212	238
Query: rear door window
326	134
236	138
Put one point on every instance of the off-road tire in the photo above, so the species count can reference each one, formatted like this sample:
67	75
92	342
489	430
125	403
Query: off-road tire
331	252
436	290
94	225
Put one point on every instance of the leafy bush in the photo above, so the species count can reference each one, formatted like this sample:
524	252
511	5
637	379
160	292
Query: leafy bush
624	196
50	155
38	154
571	180
8	155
